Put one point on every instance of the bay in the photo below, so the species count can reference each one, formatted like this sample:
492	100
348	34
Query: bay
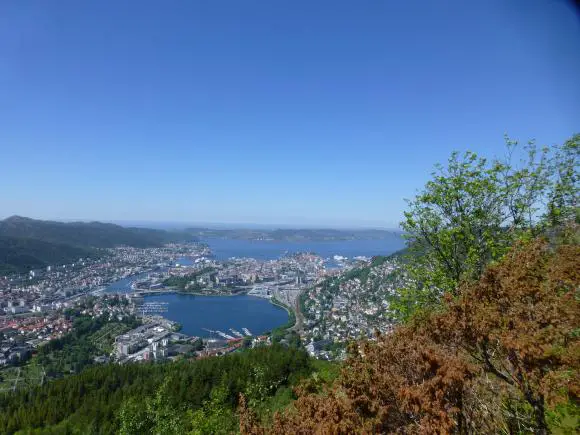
224	249
221	313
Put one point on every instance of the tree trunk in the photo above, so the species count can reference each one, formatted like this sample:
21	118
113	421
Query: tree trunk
539	416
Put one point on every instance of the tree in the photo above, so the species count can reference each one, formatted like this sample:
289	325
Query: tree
468	215
216	416
134	418
154	415
520	323
563	199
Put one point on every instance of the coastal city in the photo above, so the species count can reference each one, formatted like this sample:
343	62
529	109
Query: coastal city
327	306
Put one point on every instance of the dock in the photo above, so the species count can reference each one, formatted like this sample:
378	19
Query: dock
224	335
237	333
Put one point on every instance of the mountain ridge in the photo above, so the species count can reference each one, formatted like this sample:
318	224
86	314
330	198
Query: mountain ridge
27	243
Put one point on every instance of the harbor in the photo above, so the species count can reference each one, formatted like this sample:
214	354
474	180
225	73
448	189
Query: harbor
225	318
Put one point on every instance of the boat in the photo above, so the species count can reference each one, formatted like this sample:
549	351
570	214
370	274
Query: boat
247	331
224	335
237	333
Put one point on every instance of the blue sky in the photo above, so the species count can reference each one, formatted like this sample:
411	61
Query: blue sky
325	113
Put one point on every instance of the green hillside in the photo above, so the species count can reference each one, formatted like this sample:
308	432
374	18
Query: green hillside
18	254
27	244
87	234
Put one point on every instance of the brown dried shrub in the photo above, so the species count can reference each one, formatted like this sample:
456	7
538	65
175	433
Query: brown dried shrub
519	323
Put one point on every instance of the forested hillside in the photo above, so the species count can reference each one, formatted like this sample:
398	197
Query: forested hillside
27	244
22	254
149	398
87	234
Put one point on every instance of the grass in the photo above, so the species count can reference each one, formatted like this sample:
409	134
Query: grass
103	339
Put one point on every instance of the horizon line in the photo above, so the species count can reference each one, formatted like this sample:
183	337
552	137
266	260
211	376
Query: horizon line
217	225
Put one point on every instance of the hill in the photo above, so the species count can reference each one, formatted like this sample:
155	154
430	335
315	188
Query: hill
19	255
355	303
27	244
87	234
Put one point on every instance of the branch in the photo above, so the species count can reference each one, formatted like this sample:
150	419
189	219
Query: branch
490	367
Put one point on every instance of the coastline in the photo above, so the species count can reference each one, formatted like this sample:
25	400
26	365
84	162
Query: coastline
291	314
276	302
183	292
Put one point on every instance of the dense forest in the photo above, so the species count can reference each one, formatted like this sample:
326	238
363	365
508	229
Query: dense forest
27	244
153	398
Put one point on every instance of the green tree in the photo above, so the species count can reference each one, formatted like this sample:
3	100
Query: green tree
156	415
563	199
261	385
134	418
468	215
216	416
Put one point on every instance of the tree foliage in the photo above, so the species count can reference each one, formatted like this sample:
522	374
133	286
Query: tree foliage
148	398
189	281
563	200
77	349
216	416
519	323
474	209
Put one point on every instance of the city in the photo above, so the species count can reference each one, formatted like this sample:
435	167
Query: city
46	304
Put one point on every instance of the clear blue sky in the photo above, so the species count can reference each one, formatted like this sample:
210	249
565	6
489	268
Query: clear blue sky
324	113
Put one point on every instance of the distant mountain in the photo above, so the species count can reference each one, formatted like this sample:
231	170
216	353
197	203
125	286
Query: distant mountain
27	244
19	255
87	234
294	235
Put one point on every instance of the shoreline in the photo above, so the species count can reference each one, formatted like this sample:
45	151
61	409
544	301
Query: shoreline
183	292
276	302
291	323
